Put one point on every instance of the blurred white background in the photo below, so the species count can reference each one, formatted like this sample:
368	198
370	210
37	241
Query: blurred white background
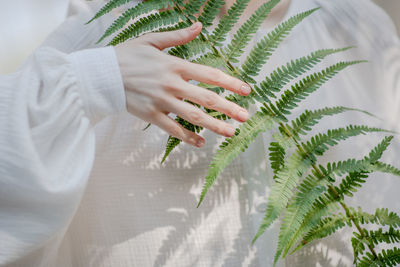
25	24
392	7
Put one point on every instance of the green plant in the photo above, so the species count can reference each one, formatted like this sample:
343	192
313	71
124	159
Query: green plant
306	195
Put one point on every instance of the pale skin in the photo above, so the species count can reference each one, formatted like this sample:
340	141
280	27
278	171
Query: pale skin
156	84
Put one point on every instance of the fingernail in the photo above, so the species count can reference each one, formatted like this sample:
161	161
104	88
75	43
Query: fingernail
243	115
200	143
245	89
230	130
195	26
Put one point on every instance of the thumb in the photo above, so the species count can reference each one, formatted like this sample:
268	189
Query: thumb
164	40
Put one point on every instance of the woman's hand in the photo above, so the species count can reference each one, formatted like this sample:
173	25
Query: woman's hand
155	84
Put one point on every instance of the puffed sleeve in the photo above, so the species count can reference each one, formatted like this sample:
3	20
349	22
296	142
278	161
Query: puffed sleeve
47	145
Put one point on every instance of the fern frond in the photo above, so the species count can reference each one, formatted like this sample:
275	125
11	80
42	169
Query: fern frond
295	68
173	142
263	50
319	143
146	24
386	168
131	13
303	124
193	7
295	213
358	248
210	12
382	217
312	187
387	258
191	49
326	227
247	30
243	101
349	184
379	236
308	85
210	59
276	156
288	178
324	206
232	147
107	8
377	152
227	22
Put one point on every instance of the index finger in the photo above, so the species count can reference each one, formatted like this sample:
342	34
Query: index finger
209	75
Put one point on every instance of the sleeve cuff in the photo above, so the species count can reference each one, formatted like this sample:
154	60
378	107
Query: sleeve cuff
100	82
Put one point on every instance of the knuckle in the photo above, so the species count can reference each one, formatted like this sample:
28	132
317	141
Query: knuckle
175	64
172	88
215	76
152	110
176	131
195	117
217	128
233	111
158	99
210	100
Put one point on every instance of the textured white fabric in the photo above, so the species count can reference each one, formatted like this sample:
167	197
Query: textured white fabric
47	141
136	212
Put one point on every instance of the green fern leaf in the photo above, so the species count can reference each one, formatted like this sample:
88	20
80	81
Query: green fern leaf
263	50
318	144
308	85
303	124
288	178
386	168
379	236
387	258
304	200
210	12
107	8
349	184
295	214
132	13
173	142
189	50
276	157
381	217
210	59
326	227
227	22
243	101
193	7
299	162
247	30
284	74
358	248
232	147
324	206
146	24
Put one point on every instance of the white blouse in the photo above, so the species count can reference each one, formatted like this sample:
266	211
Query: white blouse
137	212
47	142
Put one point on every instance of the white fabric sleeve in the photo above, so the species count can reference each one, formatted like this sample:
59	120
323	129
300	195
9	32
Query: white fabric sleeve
47	144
